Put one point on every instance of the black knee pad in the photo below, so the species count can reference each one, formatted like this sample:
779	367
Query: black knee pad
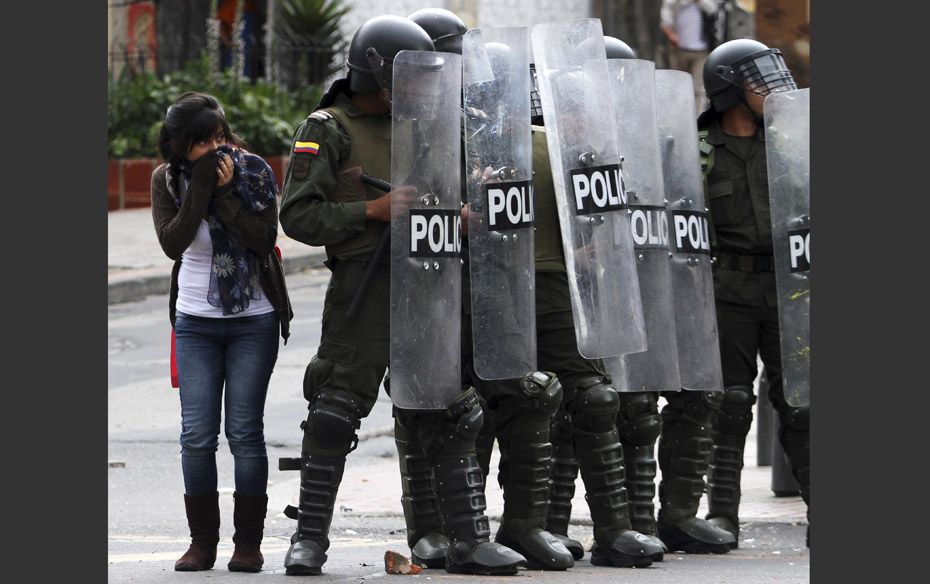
543	390
735	416
453	431
702	406
638	420
464	416
330	427
594	405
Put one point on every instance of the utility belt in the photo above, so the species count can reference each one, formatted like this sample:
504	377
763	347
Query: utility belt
750	263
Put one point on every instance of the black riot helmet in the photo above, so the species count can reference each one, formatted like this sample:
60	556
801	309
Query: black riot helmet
617	49
374	46
744	64
444	27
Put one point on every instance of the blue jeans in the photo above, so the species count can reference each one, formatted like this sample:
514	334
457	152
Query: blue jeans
239	353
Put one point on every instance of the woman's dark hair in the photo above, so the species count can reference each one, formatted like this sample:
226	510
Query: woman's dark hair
193	117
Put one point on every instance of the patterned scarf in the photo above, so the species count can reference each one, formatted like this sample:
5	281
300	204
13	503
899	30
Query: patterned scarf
235	270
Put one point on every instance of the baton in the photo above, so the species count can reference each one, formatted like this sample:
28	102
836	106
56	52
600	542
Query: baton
379	251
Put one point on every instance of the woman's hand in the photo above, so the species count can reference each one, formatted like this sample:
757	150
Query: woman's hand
224	170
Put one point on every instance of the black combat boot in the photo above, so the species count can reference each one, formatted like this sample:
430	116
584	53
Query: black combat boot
320	477
600	459
526	464
460	488
203	519
428	544
448	439
329	436
639	425
640	469
723	483
562	483
731	426
684	449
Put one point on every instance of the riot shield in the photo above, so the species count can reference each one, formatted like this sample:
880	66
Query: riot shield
499	158
689	237
787	145
589	190
426	260
632	87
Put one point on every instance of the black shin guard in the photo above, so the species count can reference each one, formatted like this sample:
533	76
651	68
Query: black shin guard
428	544
639	425
684	451
329	436
593	406
562	483
726	465
449	442
525	468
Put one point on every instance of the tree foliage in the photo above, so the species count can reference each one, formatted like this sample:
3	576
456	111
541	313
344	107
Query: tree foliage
307	37
263	114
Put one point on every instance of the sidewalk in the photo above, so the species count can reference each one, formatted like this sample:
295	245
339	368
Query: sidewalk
137	267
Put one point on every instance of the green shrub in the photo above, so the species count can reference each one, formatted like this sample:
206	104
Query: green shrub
264	115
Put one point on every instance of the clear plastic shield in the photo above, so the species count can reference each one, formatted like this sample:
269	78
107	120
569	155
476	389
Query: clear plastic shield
632	87
689	234
787	143
582	140
426	230
655	369
498	155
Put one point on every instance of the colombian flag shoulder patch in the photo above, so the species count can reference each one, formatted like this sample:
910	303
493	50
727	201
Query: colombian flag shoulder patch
306	147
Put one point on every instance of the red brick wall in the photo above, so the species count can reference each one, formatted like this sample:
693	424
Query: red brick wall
129	180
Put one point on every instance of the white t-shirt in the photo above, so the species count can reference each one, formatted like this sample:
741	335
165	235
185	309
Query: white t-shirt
688	25
194	281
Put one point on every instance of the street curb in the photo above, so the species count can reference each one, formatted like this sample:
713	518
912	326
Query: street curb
136	288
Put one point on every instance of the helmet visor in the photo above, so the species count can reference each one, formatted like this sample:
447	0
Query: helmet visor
762	73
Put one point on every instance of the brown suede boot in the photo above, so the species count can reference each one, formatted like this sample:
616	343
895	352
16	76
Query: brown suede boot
203	518
249	519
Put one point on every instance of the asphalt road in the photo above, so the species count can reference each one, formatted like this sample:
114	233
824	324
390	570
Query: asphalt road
146	526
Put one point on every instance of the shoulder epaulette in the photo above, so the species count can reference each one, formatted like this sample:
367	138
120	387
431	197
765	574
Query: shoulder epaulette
321	115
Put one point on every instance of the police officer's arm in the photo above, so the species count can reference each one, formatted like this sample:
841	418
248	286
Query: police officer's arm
307	212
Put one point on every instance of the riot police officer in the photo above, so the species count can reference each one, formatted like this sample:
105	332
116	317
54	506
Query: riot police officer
737	76
516	411
638	425
584	430
325	204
